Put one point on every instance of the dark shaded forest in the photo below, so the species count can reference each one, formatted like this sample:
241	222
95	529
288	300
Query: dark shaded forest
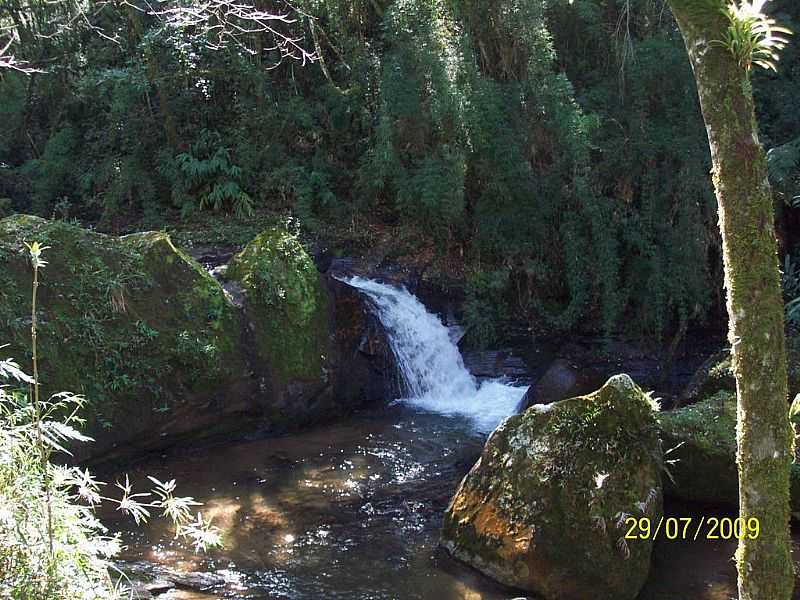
555	166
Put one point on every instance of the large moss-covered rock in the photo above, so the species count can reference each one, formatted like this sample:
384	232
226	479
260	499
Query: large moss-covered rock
288	305
160	352
700	442
312	335
545	506
131	323
700	446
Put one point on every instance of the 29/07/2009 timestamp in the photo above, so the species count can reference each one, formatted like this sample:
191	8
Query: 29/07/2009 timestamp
683	528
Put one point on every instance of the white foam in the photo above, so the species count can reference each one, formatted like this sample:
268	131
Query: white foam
430	363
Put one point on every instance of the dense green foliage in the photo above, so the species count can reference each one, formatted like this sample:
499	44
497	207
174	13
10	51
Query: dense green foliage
79	564
551	154
52	546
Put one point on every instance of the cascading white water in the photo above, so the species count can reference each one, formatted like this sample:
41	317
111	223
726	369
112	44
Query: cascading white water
430	363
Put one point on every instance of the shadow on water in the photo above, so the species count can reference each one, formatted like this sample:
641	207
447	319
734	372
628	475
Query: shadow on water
702	569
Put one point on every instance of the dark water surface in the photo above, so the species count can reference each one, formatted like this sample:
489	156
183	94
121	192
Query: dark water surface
352	510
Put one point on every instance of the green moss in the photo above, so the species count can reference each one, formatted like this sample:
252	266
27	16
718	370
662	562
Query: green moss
288	304
710	424
700	446
719	376
129	322
566	477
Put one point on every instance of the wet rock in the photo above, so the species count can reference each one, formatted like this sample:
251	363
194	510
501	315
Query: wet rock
137	590
159	586
700	448
199	581
322	257
160	579
365	368
544	508
495	363
562	379
147	590
211	256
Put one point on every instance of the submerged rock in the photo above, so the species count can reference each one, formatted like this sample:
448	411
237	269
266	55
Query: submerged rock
700	449
544	509
131	323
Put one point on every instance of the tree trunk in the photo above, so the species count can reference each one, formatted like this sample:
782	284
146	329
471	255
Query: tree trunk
135	33
765	438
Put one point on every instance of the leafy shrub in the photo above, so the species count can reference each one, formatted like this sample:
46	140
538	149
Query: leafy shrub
484	307
206	178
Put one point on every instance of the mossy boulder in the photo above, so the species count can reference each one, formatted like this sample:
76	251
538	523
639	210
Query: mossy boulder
700	446
544	509
311	335
287	302
133	324
716	375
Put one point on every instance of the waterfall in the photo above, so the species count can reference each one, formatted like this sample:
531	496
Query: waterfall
431	366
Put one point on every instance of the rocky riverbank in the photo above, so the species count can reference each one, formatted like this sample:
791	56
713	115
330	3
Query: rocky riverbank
164	354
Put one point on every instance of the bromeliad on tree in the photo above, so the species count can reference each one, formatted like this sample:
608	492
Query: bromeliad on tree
724	40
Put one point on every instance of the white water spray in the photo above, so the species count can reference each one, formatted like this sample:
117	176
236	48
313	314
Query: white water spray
430	363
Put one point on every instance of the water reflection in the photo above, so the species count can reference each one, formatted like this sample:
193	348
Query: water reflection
350	510
353	511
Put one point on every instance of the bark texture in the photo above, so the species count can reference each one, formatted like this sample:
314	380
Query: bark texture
755	306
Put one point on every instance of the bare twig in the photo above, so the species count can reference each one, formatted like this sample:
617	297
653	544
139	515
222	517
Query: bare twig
217	24
231	22
9	62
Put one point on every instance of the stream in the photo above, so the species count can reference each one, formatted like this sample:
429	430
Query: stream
352	509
